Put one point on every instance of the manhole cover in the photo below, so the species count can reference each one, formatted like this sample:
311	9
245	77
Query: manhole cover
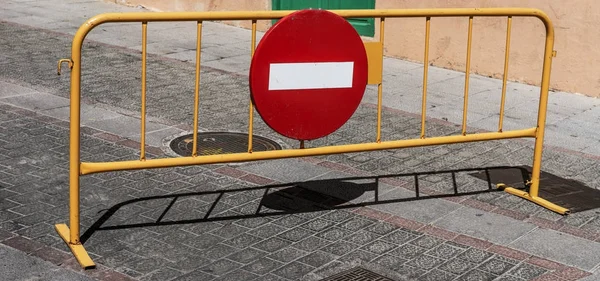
210	143
357	273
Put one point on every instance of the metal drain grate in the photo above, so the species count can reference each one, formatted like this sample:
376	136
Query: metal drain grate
357	274
211	143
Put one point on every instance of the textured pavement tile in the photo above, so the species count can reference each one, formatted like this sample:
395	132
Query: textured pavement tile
262	266
294	270
334	233
425	262
358	255
246	255
560	247
220	267
526	271
378	247
446	250
296	234
195	275
438	275
497	265
486	226
288	254
340	248
272	244
475	255
407	251
477	275
457	266
161	274
317	259
311	243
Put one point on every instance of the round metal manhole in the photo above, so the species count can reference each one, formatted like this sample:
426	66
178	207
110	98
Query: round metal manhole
211	143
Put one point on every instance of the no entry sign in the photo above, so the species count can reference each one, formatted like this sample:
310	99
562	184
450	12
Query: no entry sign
308	74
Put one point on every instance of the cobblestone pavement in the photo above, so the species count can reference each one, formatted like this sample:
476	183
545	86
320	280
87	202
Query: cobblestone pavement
405	214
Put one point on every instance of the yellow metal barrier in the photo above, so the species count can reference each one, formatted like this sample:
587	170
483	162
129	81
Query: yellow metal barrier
375	54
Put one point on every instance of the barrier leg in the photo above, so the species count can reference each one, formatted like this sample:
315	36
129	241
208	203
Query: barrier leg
70	234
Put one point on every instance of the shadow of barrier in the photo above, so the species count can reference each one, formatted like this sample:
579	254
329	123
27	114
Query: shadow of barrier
301	197
374	50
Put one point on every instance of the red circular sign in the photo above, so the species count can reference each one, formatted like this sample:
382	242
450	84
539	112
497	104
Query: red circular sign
308	74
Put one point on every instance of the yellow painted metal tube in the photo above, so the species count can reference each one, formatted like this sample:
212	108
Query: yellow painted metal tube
380	85
543	106
505	75
88	168
77	249
251	105
467	74
197	88
538	200
266	15
425	73
143	113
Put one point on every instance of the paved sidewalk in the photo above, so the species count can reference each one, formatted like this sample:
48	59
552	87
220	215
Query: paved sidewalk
406	214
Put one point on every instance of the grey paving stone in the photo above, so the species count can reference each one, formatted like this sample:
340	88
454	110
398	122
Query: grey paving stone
457	266
161	274
267	230
475	255
399	237
485	226
311	243
272	244
318	224
526	271
296	234
246	255
317	259
220	267
358	255
293	271
295	170
262	266
438	275
446	251
378	247
333	233
381	228
356	223
339	248
477	275
243	240
427	241
288	254
290	221
560	247
195	275
362	237
497	265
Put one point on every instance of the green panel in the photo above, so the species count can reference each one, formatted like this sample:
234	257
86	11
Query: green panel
365	27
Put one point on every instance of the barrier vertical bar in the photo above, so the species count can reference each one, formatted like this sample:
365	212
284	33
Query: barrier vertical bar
467	73
251	106
505	75
70	234
143	125
197	88
380	85
425	73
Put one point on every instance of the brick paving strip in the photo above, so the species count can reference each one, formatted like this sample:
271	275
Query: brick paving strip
310	245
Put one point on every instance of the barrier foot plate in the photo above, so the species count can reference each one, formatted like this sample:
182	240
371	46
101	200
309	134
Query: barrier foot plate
538	200
77	249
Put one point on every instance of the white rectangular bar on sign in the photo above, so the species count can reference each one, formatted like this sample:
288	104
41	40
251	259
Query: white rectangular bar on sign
310	75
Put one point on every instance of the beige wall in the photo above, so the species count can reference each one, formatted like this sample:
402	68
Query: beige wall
575	69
